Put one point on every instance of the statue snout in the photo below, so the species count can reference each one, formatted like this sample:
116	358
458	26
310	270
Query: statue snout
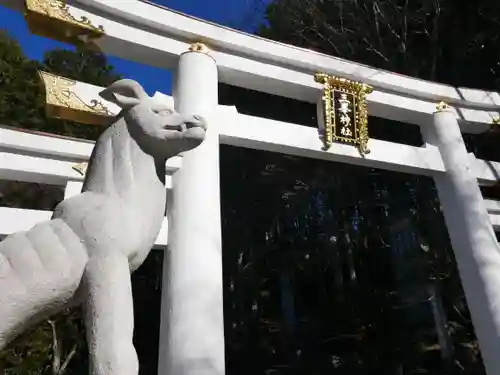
196	121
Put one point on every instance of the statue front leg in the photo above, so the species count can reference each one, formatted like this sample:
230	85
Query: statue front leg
109	316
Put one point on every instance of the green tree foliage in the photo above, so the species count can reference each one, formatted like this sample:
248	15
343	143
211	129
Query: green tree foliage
81	65
448	41
50	348
22	98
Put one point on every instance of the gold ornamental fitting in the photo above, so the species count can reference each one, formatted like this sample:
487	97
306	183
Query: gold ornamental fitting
199	47
442	106
63	102
81	168
495	125
53	19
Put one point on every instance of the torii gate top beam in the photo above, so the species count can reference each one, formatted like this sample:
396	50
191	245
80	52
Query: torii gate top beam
154	35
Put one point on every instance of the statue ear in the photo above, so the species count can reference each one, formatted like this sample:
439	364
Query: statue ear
125	93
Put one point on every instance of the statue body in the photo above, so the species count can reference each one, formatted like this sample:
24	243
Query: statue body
86	252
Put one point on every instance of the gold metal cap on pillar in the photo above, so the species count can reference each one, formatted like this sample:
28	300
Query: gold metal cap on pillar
442	106
199	47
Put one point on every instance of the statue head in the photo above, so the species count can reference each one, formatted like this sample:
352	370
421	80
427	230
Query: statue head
156	127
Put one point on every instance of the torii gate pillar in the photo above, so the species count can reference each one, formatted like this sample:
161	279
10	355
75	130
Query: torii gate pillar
192	324
477	252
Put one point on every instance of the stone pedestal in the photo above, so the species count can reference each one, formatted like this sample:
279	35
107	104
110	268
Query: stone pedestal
476	249
192	332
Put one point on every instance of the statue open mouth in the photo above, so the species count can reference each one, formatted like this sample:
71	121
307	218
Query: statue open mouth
192	122
194	126
196	122
194	131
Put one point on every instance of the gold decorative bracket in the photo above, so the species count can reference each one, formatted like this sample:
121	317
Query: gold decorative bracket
81	168
344	112
63	103
495	125
52	19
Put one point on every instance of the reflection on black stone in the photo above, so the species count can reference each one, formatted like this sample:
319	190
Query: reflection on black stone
335	269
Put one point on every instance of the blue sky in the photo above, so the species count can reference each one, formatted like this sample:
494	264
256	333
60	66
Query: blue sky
243	14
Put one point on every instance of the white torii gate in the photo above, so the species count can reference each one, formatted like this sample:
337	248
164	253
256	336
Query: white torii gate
192	335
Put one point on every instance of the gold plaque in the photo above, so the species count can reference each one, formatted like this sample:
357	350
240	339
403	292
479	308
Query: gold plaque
343	112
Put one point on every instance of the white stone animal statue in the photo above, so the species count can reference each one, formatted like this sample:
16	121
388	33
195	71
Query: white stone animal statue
87	251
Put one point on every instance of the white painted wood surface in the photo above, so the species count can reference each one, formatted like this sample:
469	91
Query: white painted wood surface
161	35
49	159
18	167
472	236
181	26
493	208
192	324
299	140
45	144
